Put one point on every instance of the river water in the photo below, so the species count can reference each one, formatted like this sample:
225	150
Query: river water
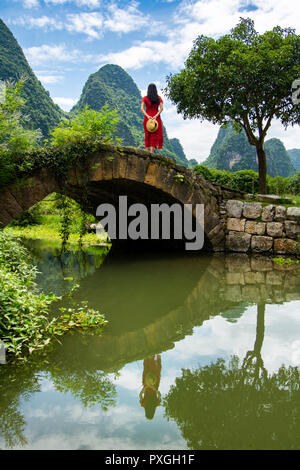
200	352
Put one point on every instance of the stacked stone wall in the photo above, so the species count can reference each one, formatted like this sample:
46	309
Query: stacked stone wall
254	227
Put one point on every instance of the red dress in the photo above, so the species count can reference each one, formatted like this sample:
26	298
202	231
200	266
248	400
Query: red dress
153	139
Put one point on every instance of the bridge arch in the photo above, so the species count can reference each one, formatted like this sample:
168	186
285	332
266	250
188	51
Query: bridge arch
113	171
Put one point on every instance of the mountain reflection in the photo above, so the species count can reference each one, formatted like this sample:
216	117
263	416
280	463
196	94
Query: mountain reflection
237	406
153	304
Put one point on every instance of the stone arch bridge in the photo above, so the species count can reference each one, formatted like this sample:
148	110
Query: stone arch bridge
113	171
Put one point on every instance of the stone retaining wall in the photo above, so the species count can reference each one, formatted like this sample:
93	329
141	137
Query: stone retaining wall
252	227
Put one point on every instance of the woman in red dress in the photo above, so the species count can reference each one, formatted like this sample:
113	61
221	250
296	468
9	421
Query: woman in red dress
154	106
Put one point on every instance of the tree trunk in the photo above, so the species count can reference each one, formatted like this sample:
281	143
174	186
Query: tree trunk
262	169
260	328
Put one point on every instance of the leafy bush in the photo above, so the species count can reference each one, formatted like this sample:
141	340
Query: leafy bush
88	124
15	139
294	183
30	217
245	180
204	171
24	312
278	185
222	177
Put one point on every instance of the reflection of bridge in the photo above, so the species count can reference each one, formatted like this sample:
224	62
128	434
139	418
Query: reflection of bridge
225	283
110	172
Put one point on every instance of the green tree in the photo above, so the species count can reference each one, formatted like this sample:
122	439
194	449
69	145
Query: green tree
244	77
233	406
88	124
15	139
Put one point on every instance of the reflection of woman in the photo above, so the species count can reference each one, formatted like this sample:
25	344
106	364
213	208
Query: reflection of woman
150	397
154	106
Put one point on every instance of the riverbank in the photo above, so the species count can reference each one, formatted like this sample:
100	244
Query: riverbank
26	325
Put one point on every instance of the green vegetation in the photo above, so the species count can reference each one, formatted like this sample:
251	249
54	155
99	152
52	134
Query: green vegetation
112	86
231	151
244	77
43	113
286	261
87	125
248	181
227	405
44	221
20	152
295	158
15	139
181	157
25	326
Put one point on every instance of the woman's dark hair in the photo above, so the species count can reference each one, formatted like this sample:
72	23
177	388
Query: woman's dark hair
152	94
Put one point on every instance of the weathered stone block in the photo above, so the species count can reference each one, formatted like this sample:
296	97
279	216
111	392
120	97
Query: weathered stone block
292	229
274	278
280	213
273	198
261	244
238	241
234	208
235	278
257	228
293	213
252	210
237	262
275	229
250	293
253	277
233	293
284	245
261	263
236	224
268	213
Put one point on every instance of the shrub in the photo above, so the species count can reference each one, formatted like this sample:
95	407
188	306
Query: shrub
24	311
277	185
30	217
222	177
88	124
294	184
245	180
204	171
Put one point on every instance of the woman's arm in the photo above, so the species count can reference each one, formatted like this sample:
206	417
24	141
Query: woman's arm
143	110
161	107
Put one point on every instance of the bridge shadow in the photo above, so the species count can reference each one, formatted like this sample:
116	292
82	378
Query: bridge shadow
152	308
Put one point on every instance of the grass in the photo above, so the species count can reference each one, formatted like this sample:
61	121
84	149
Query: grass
51	232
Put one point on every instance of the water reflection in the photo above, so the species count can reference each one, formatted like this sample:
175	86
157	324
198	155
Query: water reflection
172	311
253	364
150	396
237	406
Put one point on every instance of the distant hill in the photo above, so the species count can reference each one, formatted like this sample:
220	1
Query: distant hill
43	113
179	151
193	162
113	86
295	158
233	152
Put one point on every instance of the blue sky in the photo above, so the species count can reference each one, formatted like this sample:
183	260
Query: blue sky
67	40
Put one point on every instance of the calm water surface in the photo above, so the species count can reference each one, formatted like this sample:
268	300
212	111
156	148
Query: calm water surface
200	352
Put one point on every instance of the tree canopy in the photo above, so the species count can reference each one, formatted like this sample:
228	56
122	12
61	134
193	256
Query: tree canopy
244	77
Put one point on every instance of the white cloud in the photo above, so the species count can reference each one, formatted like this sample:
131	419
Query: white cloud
125	20
208	17
46	79
65	103
90	24
30	3
79	3
44	22
50	53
